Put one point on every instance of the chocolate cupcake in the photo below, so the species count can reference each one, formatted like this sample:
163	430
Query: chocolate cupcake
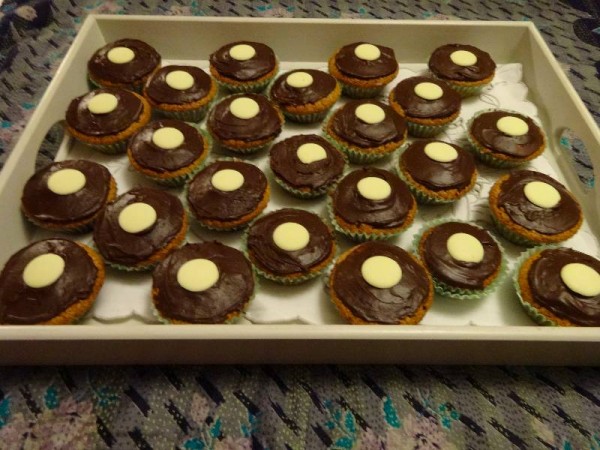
68	195
531	208
50	282
202	283
380	283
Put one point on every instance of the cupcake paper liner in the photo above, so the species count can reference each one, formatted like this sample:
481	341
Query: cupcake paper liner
425	131
305	118
191	115
510	235
360	92
352	155
466	91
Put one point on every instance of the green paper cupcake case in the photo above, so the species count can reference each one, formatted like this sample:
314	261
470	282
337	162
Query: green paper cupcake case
360	92
425	131
192	115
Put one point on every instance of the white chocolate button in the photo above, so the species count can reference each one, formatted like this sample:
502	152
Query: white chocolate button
299	79
197	275
541	194
242	52
102	103
167	138
370	113
374	188
311	152
463	58
180	80
120	55
440	152
244	108
291	236
137	217
43	270
581	279
513	126
428	91
465	247
381	272
227	180
367	52
66	181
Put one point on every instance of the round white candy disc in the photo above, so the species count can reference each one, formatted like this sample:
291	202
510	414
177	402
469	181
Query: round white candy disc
465	247
66	181
299	79
381	272
581	279
242	52
120	55
428	91
513	126
180	80
291	236
370	113
542	194
244	108
440	152
197	275
167	138
227	180
43	270
137	217
310	152
463	58
102	103
374	188
367	52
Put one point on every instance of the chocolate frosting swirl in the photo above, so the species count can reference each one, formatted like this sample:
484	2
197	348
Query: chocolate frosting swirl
21	304
378	305
415	106
145	61
467	275
285	163
442	66
487	134
436	175
268	256
353	208
351	65
259	65
209	203
282	93
118	246
562	217
42	204
230	293
350	128
158	91
149	155
128	110
548	289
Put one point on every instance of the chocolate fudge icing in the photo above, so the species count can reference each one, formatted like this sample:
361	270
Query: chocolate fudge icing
42	204
467	275
380	305
267	256
352	207
145	61
258	66
21	304
435	175
158	91
121	247
231	292
487	134
351	129
286	165
149	155
323	84
554	220
127	112
352	66
548	289
415	106
442	66
209	203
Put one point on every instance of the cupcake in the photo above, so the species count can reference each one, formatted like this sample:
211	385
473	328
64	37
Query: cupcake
366	130
306	165
289	245
531	208
181	92
305	95
126	63
559	286
437	172
140	228
380	283
202	283
68	195
427	105
371	203
168	151
464	260
106	118
363	69
505	139
50	282
244	66
245	123
465	68
226	195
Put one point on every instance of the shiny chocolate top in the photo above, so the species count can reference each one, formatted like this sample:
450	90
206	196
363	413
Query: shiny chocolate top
21	304
415	106
322	85
259	65
158	90
229	294
352	66
443	67
380	305
145	60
